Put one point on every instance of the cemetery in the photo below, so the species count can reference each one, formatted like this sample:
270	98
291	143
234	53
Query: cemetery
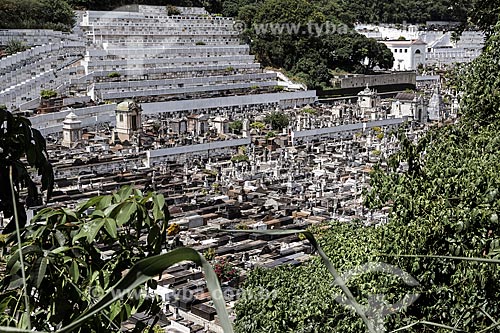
176	104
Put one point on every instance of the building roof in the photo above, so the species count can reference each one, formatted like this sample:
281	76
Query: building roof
402	43
125	105
71	118
405	96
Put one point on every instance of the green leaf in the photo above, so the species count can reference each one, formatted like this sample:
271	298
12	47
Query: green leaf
115	309
154	231
110	226
89	203
61	239
74	271
125	192
60	249
125	213
94	230
159	203
25	250
104	202
109	210
42	268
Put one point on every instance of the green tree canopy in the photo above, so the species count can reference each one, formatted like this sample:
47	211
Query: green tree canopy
277	120
36	14
481	87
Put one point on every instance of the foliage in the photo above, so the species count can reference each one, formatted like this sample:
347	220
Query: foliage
172	10
15	46
270	135
484	14
308	39
225	271
481	86
236	126
149	267
114	75
19	141
65	264
158	329
258	125
241	226
411	11
209	254
48	93
277	120
36	14
240	158
447	204
200	43
309	111
380	136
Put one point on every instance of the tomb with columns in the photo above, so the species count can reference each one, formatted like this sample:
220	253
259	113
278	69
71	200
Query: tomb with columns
72	130
128	120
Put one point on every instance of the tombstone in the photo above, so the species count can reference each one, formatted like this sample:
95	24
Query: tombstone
72	130
128	120
221	125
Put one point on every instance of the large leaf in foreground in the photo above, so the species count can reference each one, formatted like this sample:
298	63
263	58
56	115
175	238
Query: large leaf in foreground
144	270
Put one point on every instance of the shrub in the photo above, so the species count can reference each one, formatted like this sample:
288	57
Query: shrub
48	93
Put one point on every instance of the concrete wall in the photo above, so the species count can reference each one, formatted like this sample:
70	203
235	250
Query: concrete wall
378	80
159	155
340	131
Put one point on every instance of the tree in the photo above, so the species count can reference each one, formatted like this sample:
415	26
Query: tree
37	14
18	140
66	269
481	86
113	75
484	14
172	10
313	70
236	126
277	120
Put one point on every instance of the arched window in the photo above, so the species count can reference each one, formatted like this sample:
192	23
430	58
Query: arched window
417	52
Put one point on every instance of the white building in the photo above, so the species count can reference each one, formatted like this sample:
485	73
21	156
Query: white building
408	54
369	102
410	105
442	47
